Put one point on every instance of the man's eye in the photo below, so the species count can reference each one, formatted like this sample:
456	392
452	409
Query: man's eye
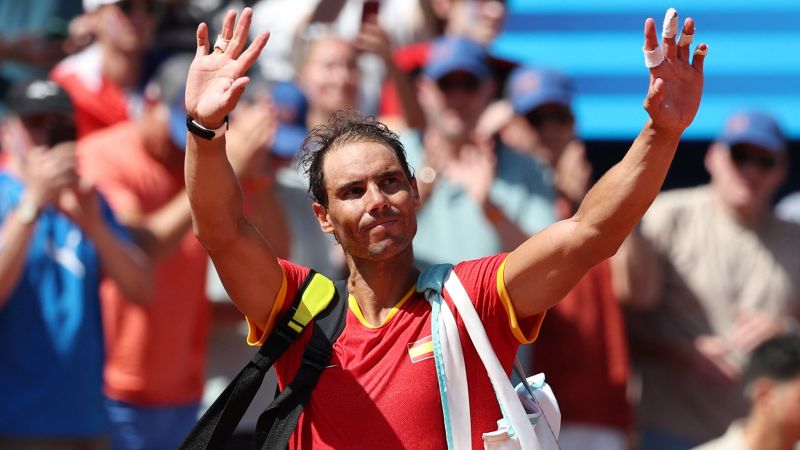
354	192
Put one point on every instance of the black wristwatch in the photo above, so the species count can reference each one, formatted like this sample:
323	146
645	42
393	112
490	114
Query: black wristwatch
203	132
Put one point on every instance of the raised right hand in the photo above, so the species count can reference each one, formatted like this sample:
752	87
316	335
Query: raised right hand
216	81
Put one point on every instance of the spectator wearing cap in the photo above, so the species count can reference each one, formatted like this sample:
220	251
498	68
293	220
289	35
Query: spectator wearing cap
772	388
105	79
587	324
479	21
498	197
719	274
57	238
154	374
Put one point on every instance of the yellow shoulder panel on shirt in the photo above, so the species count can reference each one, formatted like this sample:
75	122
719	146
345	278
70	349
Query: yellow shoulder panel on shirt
518	333
256	336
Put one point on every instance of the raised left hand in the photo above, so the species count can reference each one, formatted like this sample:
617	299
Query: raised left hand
676	85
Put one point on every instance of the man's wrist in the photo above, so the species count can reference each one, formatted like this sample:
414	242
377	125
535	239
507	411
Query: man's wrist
205	132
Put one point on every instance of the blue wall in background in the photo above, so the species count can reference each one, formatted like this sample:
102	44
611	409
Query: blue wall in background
753	61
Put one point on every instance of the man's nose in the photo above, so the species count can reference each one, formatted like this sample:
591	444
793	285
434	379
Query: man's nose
376	198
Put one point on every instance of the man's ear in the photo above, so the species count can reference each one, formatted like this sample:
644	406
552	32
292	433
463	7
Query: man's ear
321	213
415	193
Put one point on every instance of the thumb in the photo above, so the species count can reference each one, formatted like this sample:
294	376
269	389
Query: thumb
231	96
652	103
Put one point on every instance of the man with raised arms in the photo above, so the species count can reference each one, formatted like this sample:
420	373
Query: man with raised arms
374	393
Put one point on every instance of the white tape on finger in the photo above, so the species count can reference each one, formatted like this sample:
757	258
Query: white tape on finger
686	39
653	58
221	44
670	26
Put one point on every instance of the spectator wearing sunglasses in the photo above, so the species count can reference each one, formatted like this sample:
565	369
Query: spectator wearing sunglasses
720	273
105	80
497	196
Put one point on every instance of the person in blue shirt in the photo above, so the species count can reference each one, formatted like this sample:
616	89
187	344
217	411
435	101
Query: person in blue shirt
58	238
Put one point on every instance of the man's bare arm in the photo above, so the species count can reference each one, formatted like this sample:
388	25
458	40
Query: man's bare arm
245	262
542	270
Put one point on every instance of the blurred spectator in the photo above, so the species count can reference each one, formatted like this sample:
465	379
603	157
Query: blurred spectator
772	386
405	21
34	36
719	274
57	238
542	123
156	353
329	76
591	384
103	79
477	20
498	197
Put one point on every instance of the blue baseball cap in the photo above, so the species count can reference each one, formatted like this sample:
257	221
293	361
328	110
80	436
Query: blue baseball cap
450	54
751	127
292	106
530	88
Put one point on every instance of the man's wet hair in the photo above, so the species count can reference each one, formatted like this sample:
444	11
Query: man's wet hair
344	127
777	359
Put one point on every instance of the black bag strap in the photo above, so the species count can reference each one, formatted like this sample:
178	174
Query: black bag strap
279	420
315	296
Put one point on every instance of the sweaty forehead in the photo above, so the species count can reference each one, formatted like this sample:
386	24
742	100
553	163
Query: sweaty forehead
358	160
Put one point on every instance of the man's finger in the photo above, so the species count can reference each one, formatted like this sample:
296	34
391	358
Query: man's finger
685	41
668	31
239	38
654	94
650	37
652	52
699	56
227	25
250	55
235	91
202	40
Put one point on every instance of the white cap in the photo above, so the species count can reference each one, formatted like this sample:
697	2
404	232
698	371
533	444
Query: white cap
92	5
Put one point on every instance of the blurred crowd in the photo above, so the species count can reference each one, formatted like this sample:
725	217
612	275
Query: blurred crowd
117	333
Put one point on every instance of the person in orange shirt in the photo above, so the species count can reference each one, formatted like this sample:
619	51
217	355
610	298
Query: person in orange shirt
155	352
104	77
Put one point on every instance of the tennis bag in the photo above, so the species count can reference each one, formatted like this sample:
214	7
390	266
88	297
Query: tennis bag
319	300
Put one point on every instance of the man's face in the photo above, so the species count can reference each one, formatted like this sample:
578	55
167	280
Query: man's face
330	75
746	175
371	204
465	97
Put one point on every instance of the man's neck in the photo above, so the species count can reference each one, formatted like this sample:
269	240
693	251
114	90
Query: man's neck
379	285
